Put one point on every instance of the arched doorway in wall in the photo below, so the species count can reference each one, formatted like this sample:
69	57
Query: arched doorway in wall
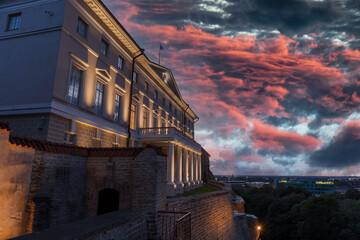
108	201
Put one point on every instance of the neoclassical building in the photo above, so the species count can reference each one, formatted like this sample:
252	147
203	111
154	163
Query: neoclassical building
72	74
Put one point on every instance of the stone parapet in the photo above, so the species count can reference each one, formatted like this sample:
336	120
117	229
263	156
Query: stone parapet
211	215
130	225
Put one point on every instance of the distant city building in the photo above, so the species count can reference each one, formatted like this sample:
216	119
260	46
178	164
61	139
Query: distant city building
257	184
316	187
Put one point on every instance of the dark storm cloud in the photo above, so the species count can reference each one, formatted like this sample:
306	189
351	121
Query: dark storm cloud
278	121
283	162
343	151
288	16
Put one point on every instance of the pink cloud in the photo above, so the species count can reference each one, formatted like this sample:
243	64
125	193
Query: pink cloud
273	139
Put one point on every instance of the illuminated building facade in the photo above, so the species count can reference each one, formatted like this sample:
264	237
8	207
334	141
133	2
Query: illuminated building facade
316	187
72	74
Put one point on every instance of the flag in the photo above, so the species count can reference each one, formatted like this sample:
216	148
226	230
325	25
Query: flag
162	46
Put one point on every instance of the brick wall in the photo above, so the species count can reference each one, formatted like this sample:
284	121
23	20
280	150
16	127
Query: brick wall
129	225
57	190
31	125
52	127
141	182
107	139
57	127
85	135
211	215
15	171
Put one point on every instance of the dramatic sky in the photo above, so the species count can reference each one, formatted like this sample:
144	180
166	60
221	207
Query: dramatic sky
276	83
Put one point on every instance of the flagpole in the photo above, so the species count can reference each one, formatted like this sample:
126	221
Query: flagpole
159	53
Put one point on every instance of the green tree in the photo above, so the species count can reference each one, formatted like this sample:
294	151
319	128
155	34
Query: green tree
320	218
281	221
349	220
352	194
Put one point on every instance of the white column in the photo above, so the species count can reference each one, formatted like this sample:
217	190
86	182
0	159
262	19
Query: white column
200	166
170	170
186	168
179	183
191	168
196	166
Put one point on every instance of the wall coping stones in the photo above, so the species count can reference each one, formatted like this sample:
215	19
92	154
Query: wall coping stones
86	227
174	200
61	148
5	126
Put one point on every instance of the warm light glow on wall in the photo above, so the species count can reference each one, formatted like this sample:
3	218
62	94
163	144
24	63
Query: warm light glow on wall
125	103
89	84
110	98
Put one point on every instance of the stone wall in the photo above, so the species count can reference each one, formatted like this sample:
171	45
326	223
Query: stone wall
33	125
246	226
52	127
211	215
129	225
140	180
85	135
57	127
57	190
15	172
205	166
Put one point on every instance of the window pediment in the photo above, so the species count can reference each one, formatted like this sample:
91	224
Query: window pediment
103	73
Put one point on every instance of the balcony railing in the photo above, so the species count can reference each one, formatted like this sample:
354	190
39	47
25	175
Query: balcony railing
175	225
164	131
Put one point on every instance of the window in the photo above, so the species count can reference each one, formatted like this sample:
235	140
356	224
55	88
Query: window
170	107
145	119
156	94
99	97
104	47
120	62
164	77
146	86
175	113
163	101
133	117
74	86
14	21
135	77
117	107
82	27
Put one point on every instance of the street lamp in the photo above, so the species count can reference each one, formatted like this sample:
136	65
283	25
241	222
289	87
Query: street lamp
259	229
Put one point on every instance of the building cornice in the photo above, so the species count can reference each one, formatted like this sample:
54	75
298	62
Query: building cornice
118	30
